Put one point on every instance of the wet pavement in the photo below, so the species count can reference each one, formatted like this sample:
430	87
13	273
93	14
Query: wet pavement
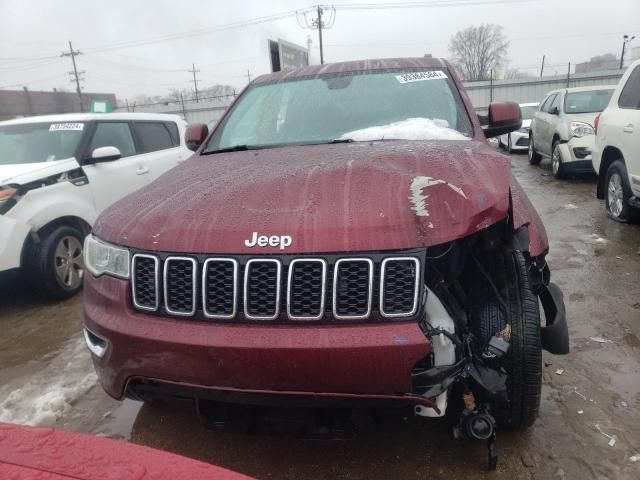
46	377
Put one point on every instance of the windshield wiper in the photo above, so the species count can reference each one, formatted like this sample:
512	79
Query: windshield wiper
341	140
235	148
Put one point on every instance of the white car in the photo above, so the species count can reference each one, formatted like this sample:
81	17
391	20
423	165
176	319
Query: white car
57	173
616	157
519	140
562	128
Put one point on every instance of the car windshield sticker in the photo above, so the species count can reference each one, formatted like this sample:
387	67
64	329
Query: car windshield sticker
421	76
56	127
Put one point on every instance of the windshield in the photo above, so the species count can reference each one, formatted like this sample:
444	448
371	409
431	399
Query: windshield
38	142
421	105
587	102
528	111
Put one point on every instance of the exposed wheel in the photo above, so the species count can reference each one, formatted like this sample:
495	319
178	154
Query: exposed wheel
534	157
557	165
57	266
618	194
523	362
509	149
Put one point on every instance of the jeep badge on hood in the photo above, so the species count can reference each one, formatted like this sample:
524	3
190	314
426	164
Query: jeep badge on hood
283	241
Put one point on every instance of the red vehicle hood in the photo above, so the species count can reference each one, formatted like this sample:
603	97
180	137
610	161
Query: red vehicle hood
328	198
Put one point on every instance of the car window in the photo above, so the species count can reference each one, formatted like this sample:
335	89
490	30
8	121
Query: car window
392	104
555	103
173	131
153	136
630	95
114	134
547	103
39	142
528	111
590	101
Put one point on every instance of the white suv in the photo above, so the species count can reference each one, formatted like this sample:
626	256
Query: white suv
562	128
57	173
616	157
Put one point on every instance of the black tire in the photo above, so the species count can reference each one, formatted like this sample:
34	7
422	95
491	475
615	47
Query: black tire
523	362
622	212
44	266
557	165
500	144
534	157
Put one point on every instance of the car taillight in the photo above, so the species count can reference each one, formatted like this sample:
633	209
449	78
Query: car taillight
596	121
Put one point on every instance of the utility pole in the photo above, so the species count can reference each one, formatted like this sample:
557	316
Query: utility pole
248	76
568	74
320	33
195	80
73	53
542	67
491	86
625	40
184	111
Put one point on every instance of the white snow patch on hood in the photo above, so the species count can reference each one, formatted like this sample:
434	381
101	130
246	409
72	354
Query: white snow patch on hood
409	129
52	392
419	200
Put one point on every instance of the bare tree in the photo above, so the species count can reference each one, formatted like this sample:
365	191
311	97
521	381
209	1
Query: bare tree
475	51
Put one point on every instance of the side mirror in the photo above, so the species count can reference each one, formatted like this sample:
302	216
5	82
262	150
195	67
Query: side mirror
554	111
503	117
105	154
195	135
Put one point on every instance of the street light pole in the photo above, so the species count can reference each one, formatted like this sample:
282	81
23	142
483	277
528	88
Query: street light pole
625	40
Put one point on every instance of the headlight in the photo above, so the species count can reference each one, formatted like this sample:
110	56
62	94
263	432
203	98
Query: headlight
580	129
101	258
6	195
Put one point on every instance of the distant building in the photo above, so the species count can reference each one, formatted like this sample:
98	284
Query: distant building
26	103
608	61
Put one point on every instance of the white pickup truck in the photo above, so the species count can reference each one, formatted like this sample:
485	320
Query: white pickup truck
616	156
57	173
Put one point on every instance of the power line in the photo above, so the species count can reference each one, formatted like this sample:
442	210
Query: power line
318	23
73	54
433	4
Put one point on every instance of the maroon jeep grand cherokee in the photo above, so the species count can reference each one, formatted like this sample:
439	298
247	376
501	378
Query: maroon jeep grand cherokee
344	235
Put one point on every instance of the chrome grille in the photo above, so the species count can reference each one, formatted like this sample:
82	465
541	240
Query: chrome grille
262	289
287	287
219	287
144	283
180	285
399	286
352	288
306	289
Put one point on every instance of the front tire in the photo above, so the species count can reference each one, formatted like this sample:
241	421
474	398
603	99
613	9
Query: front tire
523	362
534	157
557	164
618	193
57	266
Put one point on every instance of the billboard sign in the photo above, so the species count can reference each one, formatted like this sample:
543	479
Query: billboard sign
285	55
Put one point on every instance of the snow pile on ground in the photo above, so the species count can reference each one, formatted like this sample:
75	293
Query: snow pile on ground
51	392
409	129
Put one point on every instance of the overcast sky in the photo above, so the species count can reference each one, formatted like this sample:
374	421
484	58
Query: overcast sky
34	32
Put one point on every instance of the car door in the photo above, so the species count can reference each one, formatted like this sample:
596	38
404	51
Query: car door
112	180
540	123
628	125
159	144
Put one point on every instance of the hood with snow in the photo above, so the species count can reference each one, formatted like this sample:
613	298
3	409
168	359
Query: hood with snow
362	196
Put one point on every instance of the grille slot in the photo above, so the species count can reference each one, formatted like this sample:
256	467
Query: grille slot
352	288
144	283
306	289
180	285
399	286
219	288
262	289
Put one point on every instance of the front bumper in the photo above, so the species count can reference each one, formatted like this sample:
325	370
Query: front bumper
356	362
519	140
12	236
577	154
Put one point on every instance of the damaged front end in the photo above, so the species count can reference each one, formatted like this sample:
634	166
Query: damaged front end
482	315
